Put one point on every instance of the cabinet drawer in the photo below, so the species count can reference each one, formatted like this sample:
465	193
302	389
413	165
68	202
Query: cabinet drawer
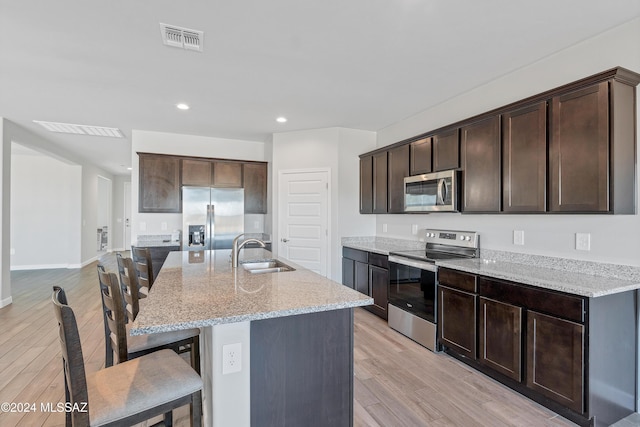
355	254
562	305
456	279
379	260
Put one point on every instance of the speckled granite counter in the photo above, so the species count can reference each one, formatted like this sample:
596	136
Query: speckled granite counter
381	245
564	280
156	244
196	289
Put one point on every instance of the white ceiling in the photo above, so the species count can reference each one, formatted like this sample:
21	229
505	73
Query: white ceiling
361	64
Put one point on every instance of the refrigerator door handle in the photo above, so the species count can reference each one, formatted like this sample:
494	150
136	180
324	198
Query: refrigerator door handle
210	225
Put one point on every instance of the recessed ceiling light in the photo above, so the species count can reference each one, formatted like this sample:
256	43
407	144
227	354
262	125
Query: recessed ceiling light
281	120
182	106
81	129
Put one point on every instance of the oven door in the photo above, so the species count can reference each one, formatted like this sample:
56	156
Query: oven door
412	288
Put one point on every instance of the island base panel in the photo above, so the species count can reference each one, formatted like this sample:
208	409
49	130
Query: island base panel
302	370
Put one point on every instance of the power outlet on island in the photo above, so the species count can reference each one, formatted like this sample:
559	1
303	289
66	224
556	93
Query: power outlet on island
231	358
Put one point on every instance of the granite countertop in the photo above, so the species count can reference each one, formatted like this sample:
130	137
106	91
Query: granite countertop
381	245
199	288
564	280
156	244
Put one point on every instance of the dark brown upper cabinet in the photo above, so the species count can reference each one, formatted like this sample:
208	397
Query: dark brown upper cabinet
159	184
592	149
196	172
446	150
255	188
579	150
380	182
524	159
420	157
398	160
366	185
227	174
480	142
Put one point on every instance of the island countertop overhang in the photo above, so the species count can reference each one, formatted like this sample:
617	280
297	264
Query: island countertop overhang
199	289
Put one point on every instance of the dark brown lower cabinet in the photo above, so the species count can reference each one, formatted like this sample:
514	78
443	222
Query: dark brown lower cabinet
379	283
367	273
457	320
555	359
500	337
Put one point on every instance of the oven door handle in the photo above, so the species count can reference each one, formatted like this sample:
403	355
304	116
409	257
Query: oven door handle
413	263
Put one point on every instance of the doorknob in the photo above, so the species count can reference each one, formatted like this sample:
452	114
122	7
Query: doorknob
284	240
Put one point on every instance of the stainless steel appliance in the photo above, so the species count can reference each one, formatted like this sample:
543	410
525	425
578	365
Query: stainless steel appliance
413	307
211	217
432	192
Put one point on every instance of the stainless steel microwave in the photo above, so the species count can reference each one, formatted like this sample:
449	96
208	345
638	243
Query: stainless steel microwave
432	192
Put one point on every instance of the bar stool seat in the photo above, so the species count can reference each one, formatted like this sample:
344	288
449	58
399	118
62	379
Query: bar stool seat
146	342
151	381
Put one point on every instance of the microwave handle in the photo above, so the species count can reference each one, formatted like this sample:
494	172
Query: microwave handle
442	191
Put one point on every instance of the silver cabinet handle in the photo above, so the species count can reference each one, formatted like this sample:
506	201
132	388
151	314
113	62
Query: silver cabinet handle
284	240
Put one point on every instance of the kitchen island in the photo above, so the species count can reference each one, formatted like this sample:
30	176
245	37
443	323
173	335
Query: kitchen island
291	336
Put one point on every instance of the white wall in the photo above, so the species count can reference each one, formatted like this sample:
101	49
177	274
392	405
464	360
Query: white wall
82	236
613	238
336	149
45	211
183	145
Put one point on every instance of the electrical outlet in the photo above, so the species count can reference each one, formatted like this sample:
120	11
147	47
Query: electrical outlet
384	228
414	229
231	358
142	225
583	241
12	251
163	226
518	237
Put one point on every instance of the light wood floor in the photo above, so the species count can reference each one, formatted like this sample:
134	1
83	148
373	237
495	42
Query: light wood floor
397	382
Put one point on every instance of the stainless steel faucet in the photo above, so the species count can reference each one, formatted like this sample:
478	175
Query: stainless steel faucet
235	251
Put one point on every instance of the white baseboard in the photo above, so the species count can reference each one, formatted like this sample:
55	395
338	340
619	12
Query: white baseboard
87	262
5	302
38	267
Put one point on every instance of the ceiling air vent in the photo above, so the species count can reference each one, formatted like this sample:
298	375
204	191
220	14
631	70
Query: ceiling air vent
80	129
183	38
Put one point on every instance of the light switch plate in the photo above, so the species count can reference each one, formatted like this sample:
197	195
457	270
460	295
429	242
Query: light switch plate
518	237
414	229
583	241
384	228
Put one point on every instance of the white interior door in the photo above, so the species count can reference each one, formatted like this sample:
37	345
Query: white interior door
303	218
127	215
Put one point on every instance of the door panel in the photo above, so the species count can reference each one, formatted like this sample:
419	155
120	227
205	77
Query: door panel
304	218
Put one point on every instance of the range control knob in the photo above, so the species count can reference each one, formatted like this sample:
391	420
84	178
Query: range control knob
467	238
461	237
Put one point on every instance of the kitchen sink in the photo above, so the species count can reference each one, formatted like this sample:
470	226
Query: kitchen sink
268	266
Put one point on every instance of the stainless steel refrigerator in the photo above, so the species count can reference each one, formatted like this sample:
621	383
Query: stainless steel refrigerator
211	217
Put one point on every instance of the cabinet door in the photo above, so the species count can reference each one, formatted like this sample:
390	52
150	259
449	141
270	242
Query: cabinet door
481	166
361	277
196	172
398	169
555	359
227	174
420	157
159	185
379	284
348	272
524	159
579	151
457	320
446	151
380	183
255	188
366	185
501	337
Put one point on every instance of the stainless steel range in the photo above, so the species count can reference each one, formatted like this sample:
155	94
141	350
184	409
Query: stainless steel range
413	281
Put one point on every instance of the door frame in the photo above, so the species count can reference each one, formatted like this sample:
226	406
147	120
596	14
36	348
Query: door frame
327	171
